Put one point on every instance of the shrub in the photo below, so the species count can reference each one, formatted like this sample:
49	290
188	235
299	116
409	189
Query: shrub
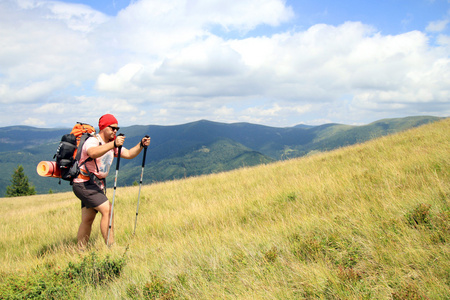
93	271
271	255
41	283
48	283
419	216
408	291
158	288
315	246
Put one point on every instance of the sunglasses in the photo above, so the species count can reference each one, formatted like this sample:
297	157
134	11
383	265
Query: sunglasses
114	128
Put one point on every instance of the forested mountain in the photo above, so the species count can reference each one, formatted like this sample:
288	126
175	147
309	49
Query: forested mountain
191	149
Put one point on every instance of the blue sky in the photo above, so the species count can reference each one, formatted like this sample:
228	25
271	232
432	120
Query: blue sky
389	16
271	62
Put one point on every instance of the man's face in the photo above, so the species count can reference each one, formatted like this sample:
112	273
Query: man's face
112	131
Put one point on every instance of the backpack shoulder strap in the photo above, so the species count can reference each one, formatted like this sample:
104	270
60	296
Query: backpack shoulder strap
83	139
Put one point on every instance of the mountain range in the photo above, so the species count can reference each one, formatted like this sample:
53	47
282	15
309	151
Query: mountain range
192	149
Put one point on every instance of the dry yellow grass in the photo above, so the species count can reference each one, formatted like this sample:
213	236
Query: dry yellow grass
330	225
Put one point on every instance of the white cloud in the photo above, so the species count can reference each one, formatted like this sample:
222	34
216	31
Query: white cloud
168	62
242	15
437	26
36	122
40	54
119	81
76	16
28	93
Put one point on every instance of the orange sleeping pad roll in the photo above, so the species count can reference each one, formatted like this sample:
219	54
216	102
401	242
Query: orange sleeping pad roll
48	169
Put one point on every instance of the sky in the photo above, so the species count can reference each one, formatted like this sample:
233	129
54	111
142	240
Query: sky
278	63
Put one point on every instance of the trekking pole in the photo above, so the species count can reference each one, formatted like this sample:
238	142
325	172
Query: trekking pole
140	185
114	192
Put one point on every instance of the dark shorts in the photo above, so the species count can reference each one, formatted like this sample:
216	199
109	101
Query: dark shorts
90	194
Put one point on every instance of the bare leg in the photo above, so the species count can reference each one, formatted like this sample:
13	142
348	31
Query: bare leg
84	231
105	210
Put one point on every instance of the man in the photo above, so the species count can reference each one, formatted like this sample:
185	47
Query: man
89	186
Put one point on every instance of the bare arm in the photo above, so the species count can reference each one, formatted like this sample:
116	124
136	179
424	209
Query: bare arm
133	152
95	152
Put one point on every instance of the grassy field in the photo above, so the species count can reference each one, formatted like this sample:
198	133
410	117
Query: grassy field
362	222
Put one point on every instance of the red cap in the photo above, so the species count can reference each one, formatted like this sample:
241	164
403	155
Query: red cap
106	120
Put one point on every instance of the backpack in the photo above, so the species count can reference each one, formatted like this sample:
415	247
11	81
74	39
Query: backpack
69	149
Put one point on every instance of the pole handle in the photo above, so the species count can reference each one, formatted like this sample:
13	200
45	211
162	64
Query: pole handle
145	153
118	153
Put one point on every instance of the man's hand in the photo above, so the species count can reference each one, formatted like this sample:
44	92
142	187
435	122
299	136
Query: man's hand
145	142
118	142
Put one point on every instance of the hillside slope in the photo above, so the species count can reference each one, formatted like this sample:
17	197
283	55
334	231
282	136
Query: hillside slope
370	221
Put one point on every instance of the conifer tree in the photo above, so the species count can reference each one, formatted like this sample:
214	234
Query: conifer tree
19	184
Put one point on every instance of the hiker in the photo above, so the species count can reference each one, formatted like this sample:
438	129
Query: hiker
90	186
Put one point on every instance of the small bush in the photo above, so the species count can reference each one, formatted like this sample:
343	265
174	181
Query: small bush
349	274
305	248
419	216
93	271
438	223
41	283
291	197
408	291
48	283
316	246
158	288
271	255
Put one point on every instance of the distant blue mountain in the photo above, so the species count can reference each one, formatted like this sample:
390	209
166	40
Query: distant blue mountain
192	149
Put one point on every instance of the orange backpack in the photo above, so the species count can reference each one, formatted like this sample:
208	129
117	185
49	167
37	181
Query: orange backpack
78	130
69	150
